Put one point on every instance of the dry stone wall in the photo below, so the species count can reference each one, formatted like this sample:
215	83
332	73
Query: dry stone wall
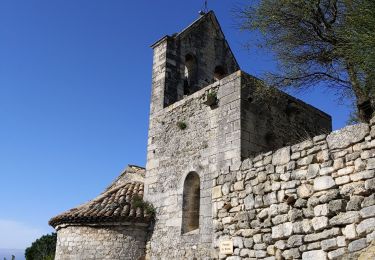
101	242
312	200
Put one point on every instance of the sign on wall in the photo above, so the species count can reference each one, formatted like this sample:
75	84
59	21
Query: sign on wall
226	247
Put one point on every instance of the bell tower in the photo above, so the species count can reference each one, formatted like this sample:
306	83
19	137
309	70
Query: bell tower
190	60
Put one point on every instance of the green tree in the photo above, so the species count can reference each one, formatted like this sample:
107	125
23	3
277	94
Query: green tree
43	248
319	41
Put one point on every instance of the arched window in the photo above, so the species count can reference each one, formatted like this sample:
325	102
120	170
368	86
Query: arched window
219	73
190	73
190	203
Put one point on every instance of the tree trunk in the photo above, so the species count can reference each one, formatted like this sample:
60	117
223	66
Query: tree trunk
363	102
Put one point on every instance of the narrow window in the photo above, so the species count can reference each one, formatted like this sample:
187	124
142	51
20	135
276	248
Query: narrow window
190	73
219	73
191	201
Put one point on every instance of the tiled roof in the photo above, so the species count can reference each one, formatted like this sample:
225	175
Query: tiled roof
114	205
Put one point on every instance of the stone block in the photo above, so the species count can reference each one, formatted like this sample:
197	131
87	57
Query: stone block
362	175
367	212
323	183
321	210
238	186
291	254
345	218
281	156
216	192
305	191
366	226
337	254
312	171
282	231
249	202
347	136
354	203
357	245
329	244
314	255
319	223
350	231
336	206
295	240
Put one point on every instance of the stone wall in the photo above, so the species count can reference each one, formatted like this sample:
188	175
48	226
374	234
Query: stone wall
271	119
211	138
101	242
312	200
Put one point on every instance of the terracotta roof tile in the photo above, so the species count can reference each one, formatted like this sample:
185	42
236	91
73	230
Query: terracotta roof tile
114	205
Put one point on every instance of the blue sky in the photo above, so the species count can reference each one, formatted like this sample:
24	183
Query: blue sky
75	79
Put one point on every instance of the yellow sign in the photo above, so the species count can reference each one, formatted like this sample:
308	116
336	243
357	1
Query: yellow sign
226	247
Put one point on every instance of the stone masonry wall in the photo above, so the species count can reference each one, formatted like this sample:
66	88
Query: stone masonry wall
211	138
100	242
312	200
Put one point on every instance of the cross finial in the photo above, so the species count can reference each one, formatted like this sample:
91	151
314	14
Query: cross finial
205	8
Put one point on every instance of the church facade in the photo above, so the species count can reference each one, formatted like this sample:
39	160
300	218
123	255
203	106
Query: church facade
199	197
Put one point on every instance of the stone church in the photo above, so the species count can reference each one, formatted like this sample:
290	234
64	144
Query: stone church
235	170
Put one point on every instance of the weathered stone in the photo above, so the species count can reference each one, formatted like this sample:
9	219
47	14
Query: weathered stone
319	223
216	192
291	254
336	206
367	212
305	160
249	202
354	203
280	244
282	230
281	156
329	196
350	231
366	226
342	180
225	188
329	244
368	201
323	183
353	188
345	218
312	171
294	214
357	245
314	255
337	254
305	191
345	171
347	136
237	242
280	219
300	203
295	240
322	235
370	184
362	175
321	210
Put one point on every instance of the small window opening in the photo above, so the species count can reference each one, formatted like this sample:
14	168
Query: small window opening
190	73
219	73
191	203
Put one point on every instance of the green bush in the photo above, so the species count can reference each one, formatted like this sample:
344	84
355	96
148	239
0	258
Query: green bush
43	248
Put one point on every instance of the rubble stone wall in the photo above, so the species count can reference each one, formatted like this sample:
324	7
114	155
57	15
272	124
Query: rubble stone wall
312	200
100	242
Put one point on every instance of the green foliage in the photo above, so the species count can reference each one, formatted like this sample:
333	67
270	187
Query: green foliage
181	125
319	41
138	202
43	248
